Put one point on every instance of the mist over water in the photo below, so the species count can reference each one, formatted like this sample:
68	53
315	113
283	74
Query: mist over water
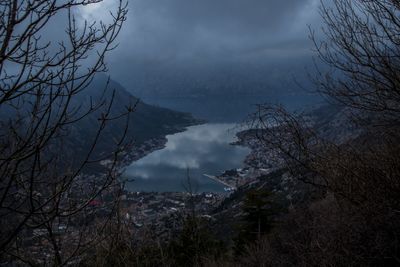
202	149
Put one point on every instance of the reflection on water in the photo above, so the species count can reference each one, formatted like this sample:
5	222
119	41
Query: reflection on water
201	149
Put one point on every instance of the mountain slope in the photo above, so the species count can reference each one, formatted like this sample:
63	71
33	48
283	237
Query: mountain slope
145	123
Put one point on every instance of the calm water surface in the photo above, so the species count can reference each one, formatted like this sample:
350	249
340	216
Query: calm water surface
202	149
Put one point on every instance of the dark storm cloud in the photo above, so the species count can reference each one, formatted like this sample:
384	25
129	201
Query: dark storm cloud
208	31
181	28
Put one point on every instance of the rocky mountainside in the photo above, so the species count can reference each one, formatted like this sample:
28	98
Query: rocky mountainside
333	123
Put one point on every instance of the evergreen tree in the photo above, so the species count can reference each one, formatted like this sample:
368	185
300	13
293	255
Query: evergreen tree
195	242
256	220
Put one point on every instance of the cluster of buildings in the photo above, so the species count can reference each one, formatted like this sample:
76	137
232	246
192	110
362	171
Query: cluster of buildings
139	151
236	178
157	212
147	208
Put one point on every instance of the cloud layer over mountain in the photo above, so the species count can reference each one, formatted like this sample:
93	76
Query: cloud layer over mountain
158	32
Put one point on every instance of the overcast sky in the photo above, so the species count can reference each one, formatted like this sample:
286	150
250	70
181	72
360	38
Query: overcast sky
209	31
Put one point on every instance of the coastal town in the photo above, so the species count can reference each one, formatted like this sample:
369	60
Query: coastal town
146	208
154	214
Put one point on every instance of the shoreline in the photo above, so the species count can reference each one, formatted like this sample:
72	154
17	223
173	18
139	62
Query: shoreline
218	177
149	146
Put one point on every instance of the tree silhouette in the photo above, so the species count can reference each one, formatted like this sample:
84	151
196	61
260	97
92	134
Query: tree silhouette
45	198
358	175
257	219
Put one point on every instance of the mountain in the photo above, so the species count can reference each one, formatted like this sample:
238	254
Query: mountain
222	92
145	123
70	144
74	140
